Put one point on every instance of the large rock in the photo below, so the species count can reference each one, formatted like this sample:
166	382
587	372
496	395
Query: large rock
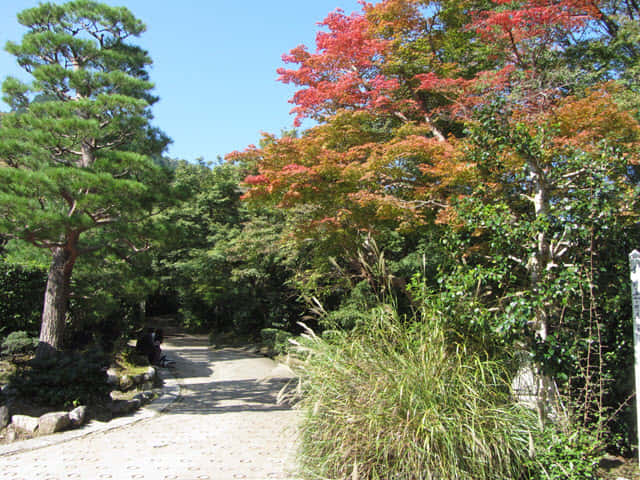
11	434
118	407
25	423
126	383
150	374
144	396
5	418
78	416
53	422
123	407
112	377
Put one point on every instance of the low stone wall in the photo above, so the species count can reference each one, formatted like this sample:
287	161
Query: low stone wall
52	422
125	383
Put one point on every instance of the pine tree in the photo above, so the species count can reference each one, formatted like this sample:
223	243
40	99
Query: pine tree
75	170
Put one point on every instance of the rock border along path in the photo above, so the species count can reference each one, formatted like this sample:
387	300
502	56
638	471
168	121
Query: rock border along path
218	418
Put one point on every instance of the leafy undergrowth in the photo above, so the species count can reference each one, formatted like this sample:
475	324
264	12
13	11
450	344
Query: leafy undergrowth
64	380
231	339
129	362
391	400
7	368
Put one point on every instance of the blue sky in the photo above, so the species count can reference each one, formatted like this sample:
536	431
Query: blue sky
214	66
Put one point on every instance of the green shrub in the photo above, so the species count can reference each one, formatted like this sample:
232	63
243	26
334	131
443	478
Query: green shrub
565	455
392	401
128	355
64	380
275	339
21	296
19	342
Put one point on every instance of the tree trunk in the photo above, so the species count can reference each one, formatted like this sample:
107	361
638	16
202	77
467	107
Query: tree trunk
88	155
538	263
56	298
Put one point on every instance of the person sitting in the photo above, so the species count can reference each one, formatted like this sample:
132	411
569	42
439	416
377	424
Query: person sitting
148	344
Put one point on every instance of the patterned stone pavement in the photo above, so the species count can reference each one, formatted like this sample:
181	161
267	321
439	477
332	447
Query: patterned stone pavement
226	424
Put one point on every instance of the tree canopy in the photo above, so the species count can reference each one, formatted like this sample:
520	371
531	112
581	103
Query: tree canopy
473	165
77	172
510	128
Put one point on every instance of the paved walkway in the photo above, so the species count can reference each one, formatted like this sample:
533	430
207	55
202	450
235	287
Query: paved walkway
225	424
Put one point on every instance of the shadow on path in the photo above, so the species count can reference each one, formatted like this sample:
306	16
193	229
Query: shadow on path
191	355
222	380
230	396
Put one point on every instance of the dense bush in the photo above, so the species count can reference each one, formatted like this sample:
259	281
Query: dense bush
276	340
64	380
21	294
564	455
18	342
393	400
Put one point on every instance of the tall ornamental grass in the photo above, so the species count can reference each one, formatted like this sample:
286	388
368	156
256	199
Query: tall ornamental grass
391	400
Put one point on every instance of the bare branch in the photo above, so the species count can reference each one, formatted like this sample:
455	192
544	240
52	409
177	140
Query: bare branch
436	133
573	174
424	203
123	174
135	249
519	261
401	116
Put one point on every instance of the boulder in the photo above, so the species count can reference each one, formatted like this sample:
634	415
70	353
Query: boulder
144	396
112	377
122	407
5	418
78	416
119	407
53	422
126	383
25	423
11	434
150	374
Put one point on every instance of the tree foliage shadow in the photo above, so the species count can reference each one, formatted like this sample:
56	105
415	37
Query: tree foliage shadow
194	360
232	396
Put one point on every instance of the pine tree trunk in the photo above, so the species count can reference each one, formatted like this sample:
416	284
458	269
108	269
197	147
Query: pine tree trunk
56	298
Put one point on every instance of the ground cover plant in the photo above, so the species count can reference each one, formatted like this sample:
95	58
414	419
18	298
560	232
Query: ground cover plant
63	381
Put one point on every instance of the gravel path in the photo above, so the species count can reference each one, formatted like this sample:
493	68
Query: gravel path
226	424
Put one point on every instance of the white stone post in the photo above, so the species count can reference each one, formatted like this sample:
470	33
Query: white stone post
634	263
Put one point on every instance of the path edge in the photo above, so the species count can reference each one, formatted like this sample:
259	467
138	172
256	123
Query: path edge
171	391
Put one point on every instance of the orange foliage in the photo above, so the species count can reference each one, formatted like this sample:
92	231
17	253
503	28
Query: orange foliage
585	122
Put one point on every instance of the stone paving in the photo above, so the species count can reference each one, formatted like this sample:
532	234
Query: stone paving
224	424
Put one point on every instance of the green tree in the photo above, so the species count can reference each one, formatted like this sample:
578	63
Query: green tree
227	267
76	176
